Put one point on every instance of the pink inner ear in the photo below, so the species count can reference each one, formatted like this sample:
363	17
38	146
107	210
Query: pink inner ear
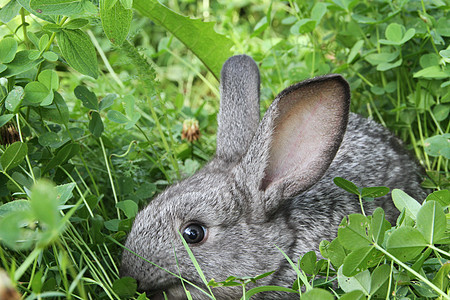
306	130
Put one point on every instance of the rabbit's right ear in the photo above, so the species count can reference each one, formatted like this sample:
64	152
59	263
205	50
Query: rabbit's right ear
238	116
296	141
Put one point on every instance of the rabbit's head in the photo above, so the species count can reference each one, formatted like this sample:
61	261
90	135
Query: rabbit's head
233	213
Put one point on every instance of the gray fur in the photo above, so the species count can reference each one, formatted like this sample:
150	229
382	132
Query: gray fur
246	211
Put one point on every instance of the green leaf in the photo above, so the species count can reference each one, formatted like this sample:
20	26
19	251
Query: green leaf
316	294
58	112
441	279
303	26
308	262
37	93
107	101
116	21
403	201
125	287
76	23
49	139
361	259
95	124
394	32
346	185
14	99
405	243
442	196
129	207
379	281
64	192
88	98
388	66
50	56
378	226
13	156
374	192
117	117
431	221
354	51
352	234
13	206
50	79
78	50
8	48
433	72
43	41
438	145
5	119
353	295
384	57
210	47
62	156
9	11
441	112
21	63
128	4
56	7
334	251
44	203
360	281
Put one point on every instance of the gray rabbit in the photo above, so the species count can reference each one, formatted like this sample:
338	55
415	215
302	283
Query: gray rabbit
270	184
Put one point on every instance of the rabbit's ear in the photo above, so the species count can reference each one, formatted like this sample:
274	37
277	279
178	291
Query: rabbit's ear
238	116
298	138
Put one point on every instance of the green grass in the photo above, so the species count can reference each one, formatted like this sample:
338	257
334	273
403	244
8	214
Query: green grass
71	186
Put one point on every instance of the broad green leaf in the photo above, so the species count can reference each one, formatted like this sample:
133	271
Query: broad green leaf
438	145
62	156
37	93
44	203
431	221
129	207
14	99
56	7
441	279
107	101
318	11
308	262
116	21
388	66
8	48
64	192
117	117
58	112
95	124
355	50
21	63
125	287
13	156
5	119
12	232
403	201
43	41
361	259
394	32
112	225
433	72
88	98
50	56
49	139
346	185
379	281
76	24
360	281
128	4
50	79
383	57
334	251
429	60
378	226
352	232
354	295
442	196
441	112
211	48
16	205
78	50
374	192
405	243
303	26
317	293
9	11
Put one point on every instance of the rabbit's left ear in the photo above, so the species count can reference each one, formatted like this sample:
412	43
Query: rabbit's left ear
298	137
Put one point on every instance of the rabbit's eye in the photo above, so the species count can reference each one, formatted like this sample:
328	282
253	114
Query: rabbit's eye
194	233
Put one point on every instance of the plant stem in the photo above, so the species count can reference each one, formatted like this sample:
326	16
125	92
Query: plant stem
110	176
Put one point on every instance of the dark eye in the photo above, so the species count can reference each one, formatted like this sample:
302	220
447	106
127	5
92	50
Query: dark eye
194	233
